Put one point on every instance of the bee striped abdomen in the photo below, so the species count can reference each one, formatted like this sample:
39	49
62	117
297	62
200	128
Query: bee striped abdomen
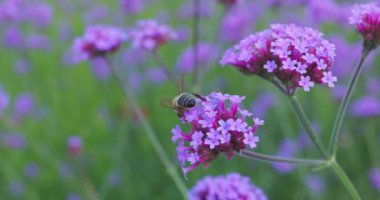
186	100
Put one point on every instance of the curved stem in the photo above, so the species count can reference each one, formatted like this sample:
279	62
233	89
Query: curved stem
269	158
171	169
306	123
345	180
333	145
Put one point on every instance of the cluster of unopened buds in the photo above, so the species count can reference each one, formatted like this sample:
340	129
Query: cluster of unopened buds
219	124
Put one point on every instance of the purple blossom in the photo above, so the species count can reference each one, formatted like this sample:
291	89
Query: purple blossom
206	55
237	23
73	196
176	133
16	188
366	18
32	170
305	83
156	75
270	66
37	41
230	186
100	68
332	11
132	6
23	106
265	101
97	13
287	148
224	131
13	37
282	44
374	177
98	40
13	140
74	144
315	184
367	106
22	66
40	14
205	9
149	35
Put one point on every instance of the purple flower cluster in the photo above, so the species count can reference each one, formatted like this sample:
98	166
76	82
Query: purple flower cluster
230	186
98	40
366	18
218	125
297	56
149	35
367	106
374	176
206	55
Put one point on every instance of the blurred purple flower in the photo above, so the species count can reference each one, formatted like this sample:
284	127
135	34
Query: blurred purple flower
373	86
65	170
98	40
13	140
134	79
100	68
207	55
32	170
114	178
17	188
132	58
339	91
287	148
74	145
132	6
230	186
183	33
150	35
281	3
156	75
22	66
40	14
65	31
332	11
4	100
367	106
205	9
11	11
38	41
262	103
73	196
13	37
23	106
237	23
374	177
96	14
303	139
315	184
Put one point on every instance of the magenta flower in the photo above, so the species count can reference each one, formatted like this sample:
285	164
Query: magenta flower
297	56
219	124
74	145
149	35
230	186
98	40
366	18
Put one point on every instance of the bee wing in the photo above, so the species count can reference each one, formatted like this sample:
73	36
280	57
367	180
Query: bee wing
166	103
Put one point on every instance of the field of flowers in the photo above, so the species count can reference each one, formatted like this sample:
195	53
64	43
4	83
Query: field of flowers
273	99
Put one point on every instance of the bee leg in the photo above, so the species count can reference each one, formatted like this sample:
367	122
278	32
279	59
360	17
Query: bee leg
199	96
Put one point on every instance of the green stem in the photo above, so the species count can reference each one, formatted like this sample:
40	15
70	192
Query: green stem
196	73
269	158
333	145
345	180
306	123
171	169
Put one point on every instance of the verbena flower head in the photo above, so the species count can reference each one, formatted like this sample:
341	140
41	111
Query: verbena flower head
230	186
218	124
297	56
98	40
149	35
366	18
74	145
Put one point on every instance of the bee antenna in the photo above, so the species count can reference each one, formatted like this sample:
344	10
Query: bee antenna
199	96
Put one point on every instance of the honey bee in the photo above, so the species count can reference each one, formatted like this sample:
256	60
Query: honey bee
183	102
